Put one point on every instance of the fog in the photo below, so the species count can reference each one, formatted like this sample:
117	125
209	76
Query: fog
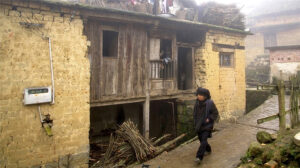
256	7
246	6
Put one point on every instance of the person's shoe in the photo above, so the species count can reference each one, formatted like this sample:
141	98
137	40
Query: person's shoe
197	161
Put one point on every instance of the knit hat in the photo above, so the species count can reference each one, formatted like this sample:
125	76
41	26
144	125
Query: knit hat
203	92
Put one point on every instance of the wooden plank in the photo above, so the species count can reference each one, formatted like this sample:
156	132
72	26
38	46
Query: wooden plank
110	69
116	102
266	119
121	59
93	36
144	62
125	51
139	63
128	61
154	48
270	118
100	57
135	59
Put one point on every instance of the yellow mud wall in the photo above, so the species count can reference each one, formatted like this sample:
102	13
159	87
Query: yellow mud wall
226	84
24	63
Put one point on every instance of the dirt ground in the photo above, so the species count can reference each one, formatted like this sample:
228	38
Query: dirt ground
228	144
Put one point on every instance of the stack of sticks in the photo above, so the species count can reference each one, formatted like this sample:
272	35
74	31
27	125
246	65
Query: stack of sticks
127	146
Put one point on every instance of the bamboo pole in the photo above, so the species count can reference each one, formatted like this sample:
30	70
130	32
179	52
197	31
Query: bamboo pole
281	102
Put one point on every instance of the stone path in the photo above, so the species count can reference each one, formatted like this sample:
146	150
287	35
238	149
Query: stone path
228	144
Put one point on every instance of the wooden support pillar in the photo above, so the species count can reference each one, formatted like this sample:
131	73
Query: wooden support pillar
146	117
281	102
146	108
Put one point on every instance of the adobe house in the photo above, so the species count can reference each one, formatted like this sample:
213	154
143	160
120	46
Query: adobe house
284	61
94	68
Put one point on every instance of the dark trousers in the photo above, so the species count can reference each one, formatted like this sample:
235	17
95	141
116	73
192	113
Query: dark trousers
204	144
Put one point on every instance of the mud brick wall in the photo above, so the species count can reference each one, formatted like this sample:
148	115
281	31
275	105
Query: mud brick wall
24	62
227	84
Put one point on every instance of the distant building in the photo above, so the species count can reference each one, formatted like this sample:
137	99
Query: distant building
273	24
285	59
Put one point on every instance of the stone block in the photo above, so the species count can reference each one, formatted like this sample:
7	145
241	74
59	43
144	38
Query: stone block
38	17
51	165
79	159
63	161
48	18
58	19
14	13
27	15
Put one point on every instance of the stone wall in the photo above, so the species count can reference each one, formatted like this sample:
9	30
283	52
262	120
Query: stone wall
226	84
24	62
255	98
185	120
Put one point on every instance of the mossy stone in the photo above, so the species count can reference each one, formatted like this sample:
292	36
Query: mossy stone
264	137
255	149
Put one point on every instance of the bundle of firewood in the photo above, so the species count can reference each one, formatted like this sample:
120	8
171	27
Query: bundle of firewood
223	15
128	146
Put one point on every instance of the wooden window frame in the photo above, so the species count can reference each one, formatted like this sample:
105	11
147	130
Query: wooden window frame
117	45
232	58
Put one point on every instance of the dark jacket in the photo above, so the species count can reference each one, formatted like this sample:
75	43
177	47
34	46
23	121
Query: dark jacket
202	111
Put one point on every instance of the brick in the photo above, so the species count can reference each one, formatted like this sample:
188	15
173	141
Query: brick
38	17
14	13
35	5
21	3
27	15
59	19
48	18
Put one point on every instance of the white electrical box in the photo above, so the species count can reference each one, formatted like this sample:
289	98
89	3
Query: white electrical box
37	95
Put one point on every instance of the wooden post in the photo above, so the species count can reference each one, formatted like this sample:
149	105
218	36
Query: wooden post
281	102
146	117
294	101
146	107
156	7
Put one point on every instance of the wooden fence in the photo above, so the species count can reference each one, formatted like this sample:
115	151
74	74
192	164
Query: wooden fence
293	87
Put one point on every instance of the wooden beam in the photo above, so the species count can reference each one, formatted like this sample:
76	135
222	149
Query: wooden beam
266	119
270	118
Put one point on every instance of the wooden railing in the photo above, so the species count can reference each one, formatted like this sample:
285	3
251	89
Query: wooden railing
160	69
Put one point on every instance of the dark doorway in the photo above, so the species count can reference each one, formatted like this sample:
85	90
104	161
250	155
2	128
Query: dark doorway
185	68
163	118
104	120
